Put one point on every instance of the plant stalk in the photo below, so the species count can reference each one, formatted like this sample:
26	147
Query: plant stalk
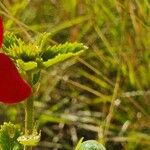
29	114
29	118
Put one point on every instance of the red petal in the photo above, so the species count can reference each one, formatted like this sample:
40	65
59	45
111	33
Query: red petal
13	88
1	31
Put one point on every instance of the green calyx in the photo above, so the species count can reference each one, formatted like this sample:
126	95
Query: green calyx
30	140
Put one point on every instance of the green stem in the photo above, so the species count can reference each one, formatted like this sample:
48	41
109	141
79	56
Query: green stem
29	114
29	118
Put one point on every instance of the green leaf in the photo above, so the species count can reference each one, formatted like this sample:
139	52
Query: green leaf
58	58
79	143
66	48
10	40
91	145
26	66
18	49
8	137
32	55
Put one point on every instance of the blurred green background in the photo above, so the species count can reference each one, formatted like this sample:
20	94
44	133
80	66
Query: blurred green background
103	94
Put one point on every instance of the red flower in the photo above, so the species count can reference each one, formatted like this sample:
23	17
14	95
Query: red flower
13	88
1	32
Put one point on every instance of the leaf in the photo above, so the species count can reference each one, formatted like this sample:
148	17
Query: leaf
8	137
65	48
18	49
10	40
79	143
26	66
32	55
58	58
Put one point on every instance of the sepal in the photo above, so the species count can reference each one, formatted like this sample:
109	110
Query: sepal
30	140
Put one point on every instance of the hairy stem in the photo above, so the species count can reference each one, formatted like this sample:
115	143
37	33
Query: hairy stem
29	119
29	116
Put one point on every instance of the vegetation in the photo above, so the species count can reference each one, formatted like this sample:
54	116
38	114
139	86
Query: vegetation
104	93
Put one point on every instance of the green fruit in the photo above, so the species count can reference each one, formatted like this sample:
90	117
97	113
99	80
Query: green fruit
91	145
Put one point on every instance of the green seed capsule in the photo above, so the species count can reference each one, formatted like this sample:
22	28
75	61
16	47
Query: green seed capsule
91	145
